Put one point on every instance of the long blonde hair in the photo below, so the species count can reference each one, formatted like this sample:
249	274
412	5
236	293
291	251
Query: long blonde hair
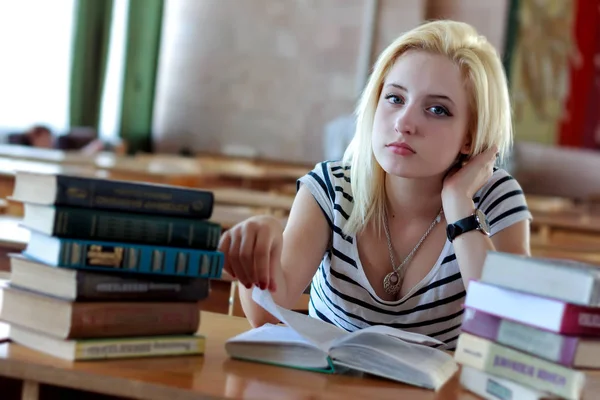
490	113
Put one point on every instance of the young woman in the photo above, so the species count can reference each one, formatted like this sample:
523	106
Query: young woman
393	233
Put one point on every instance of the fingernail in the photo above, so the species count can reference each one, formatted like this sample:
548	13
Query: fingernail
262	286
248	285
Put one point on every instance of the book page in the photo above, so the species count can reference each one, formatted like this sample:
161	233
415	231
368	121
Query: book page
388	356
319	333
406	336
272	334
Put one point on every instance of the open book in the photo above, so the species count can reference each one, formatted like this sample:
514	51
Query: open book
307	343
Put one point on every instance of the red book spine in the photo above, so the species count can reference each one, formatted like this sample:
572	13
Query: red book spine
582	321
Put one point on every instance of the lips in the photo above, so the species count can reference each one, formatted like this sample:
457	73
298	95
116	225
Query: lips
401	145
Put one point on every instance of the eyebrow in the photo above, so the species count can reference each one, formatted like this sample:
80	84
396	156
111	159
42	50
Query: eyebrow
436	96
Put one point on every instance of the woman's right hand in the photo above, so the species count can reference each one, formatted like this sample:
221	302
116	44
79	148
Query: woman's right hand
252	251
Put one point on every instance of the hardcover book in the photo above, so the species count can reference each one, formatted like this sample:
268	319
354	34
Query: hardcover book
570	281
110	194
82	285
542	312
491	387
113	226
307	343
85	320
519	367
109	348
570	351
124	257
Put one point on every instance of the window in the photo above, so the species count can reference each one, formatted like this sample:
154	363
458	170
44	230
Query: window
112	95
35	63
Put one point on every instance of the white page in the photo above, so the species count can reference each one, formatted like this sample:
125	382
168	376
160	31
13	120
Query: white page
411	337
271	334
319	333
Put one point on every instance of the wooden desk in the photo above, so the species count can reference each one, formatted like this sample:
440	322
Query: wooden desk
566	220
13	239
212	376
9	168
56	156
253	198
228	216
250	174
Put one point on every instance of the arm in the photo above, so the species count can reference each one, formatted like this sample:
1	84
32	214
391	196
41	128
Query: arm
471	247
501	196
304	244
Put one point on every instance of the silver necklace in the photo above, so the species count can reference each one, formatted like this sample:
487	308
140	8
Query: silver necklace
393	281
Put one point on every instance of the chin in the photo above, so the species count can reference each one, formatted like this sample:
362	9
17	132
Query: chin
408	167
400	167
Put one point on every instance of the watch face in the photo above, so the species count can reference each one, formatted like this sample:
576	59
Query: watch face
484	225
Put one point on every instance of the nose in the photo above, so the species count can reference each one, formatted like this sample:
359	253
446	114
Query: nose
406	120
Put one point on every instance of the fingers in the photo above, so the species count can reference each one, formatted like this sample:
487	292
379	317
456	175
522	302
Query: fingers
261	259
274	262
236	259
247	244
224	244
493	153
249	256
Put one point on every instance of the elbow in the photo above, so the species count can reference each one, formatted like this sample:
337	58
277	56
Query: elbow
257	321
258	317
255	314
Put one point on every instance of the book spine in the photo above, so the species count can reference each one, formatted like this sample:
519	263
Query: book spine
140	258
519	367
113	226
143	347
133	197
544	344
126	287
582	321
595	295
492	387
100	320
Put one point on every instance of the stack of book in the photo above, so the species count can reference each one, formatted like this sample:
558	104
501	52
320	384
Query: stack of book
530	326
112	268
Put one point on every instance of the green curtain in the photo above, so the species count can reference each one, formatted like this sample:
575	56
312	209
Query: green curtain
144	27
90	54
512	32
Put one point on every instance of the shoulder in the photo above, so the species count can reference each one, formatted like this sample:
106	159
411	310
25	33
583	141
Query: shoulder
328	175
502	200
329	183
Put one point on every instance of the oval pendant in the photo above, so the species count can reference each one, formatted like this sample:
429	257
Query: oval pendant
391	283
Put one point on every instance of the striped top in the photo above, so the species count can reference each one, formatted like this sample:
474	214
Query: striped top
340	292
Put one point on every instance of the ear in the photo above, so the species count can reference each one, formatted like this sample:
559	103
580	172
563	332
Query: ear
467	145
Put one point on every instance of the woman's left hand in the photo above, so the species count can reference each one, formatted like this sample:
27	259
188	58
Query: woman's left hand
461	184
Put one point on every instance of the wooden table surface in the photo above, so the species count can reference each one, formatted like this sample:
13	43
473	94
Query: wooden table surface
214	375
578	222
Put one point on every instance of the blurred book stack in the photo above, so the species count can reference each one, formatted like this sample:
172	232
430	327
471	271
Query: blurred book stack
113	269
530	326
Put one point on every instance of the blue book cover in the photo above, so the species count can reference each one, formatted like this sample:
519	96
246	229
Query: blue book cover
125	257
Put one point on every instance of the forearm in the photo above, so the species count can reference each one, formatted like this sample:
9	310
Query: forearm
471	247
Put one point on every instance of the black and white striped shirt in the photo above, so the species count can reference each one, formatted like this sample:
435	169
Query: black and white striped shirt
340	292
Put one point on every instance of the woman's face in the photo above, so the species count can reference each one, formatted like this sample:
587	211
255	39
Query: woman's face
422	116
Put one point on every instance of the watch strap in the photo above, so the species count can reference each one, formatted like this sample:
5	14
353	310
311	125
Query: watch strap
461	226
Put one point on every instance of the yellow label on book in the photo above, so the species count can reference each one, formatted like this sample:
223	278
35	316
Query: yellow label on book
139	347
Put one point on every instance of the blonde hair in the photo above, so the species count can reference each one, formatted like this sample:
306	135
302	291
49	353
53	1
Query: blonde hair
490	119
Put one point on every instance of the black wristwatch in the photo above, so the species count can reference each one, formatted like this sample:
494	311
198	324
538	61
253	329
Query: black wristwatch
477	221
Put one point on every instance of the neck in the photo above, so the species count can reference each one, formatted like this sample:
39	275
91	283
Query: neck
413	198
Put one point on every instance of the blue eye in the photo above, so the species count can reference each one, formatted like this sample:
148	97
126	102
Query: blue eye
392	98
439	110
